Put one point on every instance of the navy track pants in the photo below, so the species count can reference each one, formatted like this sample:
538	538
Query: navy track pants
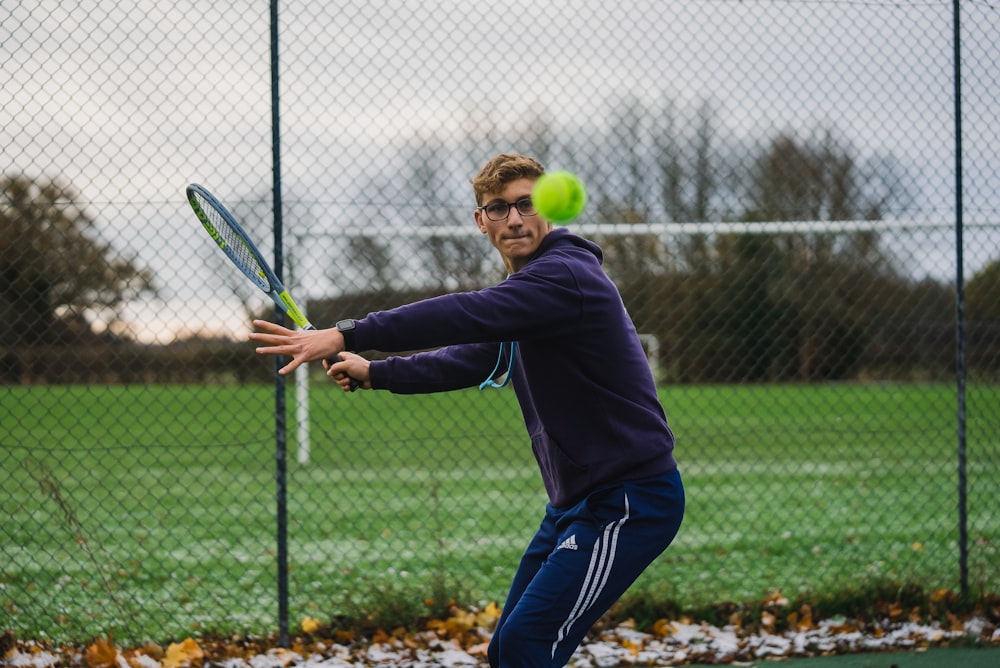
581	560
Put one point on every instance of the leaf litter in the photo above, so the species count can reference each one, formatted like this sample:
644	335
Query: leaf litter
461	640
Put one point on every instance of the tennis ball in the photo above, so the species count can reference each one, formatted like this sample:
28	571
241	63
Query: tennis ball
559	196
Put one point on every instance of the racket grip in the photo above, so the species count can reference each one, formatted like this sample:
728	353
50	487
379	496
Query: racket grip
355	384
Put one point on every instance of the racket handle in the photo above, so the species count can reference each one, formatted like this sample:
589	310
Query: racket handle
355	384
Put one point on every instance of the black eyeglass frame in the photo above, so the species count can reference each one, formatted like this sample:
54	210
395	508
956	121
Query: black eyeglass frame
520	205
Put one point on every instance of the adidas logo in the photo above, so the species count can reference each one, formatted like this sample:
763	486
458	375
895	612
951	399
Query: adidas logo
569	544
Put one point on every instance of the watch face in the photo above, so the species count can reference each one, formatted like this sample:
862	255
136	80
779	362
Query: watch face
345	324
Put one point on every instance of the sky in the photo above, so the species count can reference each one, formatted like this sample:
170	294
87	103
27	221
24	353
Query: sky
129	103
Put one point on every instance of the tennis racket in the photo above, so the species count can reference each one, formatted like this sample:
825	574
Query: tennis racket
239	248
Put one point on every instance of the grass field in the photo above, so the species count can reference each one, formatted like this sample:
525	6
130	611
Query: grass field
135	510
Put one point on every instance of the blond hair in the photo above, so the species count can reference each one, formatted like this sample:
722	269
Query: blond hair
501	170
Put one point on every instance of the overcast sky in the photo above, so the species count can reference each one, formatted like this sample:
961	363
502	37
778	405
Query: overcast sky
96	92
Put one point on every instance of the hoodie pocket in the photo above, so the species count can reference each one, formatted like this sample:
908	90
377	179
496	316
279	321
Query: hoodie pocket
563	477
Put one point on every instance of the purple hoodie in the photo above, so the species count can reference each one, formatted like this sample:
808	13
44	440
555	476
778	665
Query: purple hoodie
581	377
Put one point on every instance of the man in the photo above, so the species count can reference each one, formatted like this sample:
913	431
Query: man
557	330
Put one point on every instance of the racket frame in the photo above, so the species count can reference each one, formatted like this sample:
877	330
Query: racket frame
262	275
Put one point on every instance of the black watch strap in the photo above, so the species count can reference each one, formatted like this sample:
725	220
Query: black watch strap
346	328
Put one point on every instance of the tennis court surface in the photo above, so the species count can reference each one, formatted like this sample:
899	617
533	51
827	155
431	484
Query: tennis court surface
988	657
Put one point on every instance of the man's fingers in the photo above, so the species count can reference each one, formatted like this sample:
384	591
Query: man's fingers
288	368
274	347
271	327
277	340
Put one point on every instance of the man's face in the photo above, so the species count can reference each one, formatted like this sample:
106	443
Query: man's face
518	236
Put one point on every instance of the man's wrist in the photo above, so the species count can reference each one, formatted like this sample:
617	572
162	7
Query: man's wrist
346	329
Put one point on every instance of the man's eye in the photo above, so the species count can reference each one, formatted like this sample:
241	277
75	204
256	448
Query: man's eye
496	209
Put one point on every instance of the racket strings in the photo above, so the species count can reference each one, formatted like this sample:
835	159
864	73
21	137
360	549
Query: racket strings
236	248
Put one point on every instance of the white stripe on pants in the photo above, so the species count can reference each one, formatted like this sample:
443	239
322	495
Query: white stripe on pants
601	562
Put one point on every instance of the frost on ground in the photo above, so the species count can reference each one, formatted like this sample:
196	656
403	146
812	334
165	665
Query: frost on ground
461	642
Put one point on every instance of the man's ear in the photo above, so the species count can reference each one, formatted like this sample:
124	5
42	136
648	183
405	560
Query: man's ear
479	221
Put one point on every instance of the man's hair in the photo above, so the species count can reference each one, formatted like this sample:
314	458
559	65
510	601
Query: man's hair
503	169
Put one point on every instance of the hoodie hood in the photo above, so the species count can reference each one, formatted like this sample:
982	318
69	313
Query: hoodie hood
561	235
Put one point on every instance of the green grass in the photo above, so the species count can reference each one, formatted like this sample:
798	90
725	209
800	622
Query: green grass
134	511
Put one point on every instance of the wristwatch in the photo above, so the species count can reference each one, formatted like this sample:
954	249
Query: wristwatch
346	328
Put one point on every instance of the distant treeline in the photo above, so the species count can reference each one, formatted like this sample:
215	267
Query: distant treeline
756	320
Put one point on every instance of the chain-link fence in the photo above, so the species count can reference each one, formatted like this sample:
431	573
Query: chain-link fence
776	188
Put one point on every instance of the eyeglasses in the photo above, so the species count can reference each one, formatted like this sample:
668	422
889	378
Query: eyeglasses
498	210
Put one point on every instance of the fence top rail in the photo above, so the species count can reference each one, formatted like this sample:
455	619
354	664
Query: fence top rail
683	229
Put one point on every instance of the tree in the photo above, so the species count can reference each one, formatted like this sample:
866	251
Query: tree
982	293
623	195
689	164
982	297
762	306
825	275
793	180
55	272
456	262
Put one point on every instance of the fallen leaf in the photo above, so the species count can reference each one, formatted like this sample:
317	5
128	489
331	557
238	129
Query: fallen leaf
487	618
632	647
939	595
152	650
102	654
187	653
142	657
282	657
479	650
7	644
662	628
310	625
775	598
805	618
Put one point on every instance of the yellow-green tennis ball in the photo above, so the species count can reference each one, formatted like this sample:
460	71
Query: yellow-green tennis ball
559	196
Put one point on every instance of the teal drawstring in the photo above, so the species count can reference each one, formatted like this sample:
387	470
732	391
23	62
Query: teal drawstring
510	367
